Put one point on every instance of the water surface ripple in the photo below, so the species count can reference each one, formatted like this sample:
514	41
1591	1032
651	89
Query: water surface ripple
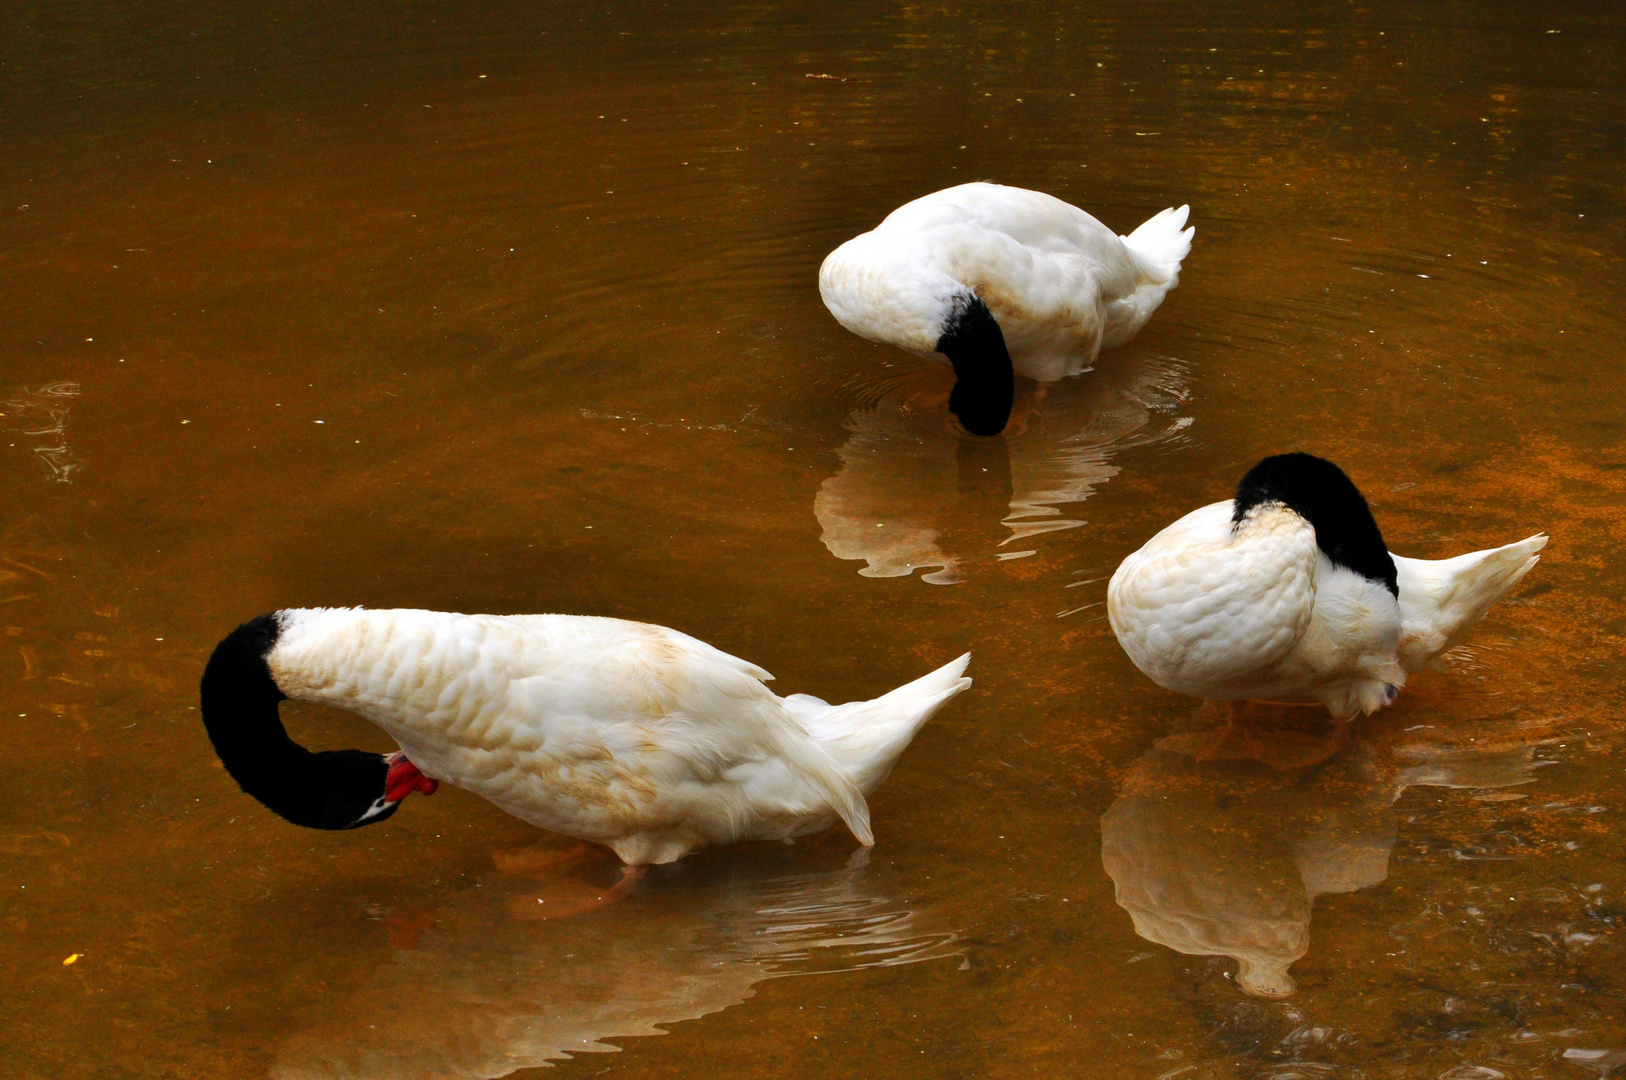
512	308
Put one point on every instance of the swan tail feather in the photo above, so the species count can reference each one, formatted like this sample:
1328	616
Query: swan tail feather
1440	600
866	738
1160	245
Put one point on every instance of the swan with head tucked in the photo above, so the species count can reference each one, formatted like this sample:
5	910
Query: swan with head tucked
1002	281
634	736
1288	593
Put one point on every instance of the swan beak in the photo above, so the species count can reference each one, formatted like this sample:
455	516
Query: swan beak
404	778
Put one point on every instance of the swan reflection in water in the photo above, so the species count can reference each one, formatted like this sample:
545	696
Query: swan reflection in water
489	988
1219	844
913	493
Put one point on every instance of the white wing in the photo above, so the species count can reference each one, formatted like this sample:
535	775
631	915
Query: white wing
1043	267
597	728
1204	612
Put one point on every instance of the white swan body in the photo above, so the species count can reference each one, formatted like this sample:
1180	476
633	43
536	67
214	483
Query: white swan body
1252	605
621	733
1060	285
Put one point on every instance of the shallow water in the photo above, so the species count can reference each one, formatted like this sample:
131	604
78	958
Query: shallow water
515	310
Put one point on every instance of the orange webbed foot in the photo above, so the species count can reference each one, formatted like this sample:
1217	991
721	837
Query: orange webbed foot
565	883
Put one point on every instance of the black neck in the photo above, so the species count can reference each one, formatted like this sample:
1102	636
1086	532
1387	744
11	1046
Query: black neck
336	789
1320	493
985	383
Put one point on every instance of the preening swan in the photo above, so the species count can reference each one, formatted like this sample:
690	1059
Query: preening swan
1000	280
1288	593
625	734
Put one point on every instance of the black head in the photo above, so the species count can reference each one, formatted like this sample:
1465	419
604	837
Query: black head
985	384
1320	493
336	789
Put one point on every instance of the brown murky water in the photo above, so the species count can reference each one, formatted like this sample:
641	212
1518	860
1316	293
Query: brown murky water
493	308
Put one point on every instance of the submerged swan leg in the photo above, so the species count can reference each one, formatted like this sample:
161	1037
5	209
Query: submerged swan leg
562	884
1259	733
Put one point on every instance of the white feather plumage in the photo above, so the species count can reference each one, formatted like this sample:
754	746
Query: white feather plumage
1061	285
622	733
1258	611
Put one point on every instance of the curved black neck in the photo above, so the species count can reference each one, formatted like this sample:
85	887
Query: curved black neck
335	789
1320	493
985	383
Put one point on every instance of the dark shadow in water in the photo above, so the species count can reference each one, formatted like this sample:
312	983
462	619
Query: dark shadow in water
484	986
913	493
1221	840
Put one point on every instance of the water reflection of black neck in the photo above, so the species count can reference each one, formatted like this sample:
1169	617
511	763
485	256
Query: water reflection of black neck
985	384
983	477
1320	493
336	789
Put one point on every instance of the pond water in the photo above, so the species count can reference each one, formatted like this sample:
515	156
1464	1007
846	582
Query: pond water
513	308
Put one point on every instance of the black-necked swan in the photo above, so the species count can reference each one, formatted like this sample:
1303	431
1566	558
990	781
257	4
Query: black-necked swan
1288	593
1002	280
626	734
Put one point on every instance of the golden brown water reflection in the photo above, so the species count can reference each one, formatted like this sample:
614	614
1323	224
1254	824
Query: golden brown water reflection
910	485
514	309
481	987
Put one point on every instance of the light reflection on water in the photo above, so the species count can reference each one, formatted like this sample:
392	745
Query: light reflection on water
37	416
1215	853
482	987
915	494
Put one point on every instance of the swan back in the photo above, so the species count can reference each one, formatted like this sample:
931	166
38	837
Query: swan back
1047	271
619	732
1203	608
